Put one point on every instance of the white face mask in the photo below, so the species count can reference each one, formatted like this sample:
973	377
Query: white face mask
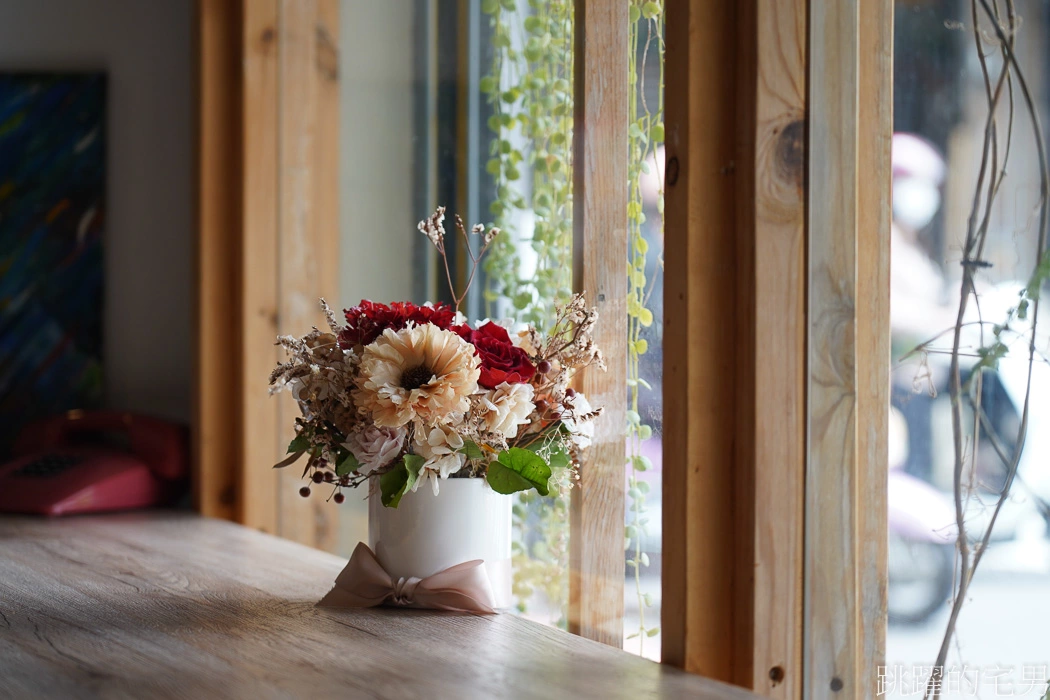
915	202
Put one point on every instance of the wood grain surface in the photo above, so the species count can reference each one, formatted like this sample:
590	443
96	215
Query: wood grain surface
830	637
778	431
708	509
178	606
874	218
219	182
260	292
308	243
596	575
850	130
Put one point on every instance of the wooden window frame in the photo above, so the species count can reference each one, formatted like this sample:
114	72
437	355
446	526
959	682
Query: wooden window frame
776	353
774	566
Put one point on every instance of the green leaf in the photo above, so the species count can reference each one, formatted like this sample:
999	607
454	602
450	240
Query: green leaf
633	15
645	317
519	469
504	480
471	450
657	133
489	6
641	463
348	464
396	482
301	443
559	456
650	9
488	85
652	632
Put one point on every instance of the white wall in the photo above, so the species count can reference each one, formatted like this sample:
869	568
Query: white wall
146	47
377	149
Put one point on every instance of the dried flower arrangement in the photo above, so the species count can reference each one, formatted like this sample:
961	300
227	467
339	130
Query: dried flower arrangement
408	394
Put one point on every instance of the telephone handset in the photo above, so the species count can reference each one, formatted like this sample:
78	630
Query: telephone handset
90	461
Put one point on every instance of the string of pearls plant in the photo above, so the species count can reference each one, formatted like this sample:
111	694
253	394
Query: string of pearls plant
646	133
530	89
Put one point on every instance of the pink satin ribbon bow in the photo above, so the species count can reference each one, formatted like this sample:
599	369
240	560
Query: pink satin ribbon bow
364	583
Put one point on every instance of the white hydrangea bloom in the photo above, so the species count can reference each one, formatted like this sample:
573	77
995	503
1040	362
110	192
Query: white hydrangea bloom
439	446
506	407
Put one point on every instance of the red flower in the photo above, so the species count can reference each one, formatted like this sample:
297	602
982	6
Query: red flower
501	360
367	321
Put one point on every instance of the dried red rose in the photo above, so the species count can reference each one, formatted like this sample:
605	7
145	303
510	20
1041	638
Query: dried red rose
367	321
501	360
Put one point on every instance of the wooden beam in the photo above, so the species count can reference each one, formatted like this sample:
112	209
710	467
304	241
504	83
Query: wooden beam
596	576
779	353
850	130
215	479
215	476
708	312
308	243
259	285
268	245
874	219
734	408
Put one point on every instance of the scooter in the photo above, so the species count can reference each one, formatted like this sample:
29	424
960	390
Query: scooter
922	518
921	562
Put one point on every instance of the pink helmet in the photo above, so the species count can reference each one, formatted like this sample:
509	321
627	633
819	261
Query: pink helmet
915	157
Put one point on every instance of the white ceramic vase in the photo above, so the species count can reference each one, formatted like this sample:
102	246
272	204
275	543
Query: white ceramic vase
425	534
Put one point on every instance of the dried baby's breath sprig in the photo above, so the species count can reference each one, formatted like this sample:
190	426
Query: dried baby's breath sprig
433	228
329	317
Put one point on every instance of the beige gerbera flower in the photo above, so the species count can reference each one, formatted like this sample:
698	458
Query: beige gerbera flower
421	373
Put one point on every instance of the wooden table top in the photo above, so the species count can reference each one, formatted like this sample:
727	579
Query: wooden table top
166	605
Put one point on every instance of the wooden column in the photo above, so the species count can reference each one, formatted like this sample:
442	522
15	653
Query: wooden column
267	244
849	180
735	348
874	218
309	222
216	478
596	577
259	292
779	353
709	337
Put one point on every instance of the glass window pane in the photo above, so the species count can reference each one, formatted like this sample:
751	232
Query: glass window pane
644	514
941	111
470	105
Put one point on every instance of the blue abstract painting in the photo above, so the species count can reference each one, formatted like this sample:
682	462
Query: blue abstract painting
52	217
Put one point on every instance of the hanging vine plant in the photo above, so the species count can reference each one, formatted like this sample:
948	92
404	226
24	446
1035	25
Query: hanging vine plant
529	87
646	135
